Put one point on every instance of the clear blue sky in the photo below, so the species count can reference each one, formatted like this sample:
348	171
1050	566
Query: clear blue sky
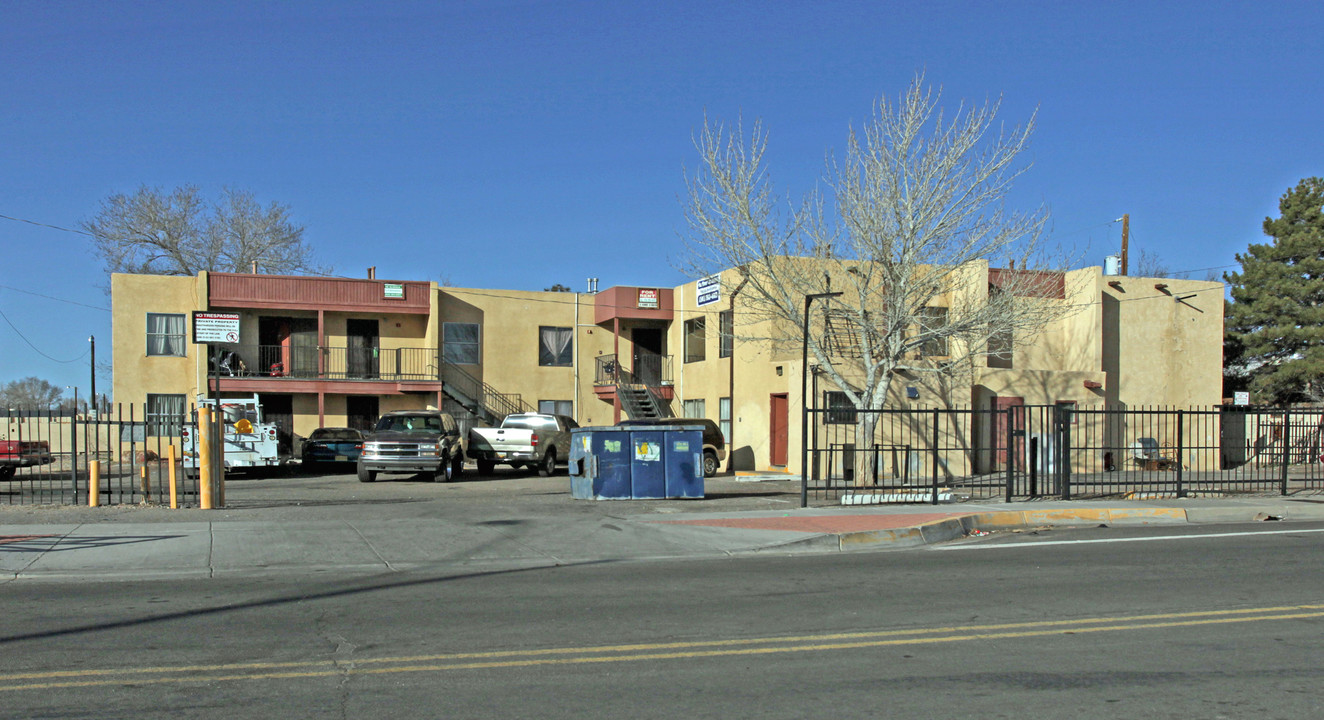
519	144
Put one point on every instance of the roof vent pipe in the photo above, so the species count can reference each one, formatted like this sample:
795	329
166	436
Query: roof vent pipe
372	273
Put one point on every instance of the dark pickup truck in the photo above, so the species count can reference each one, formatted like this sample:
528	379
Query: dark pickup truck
15	454
413	441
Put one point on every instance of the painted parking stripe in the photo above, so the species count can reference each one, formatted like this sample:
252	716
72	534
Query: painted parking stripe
1041	543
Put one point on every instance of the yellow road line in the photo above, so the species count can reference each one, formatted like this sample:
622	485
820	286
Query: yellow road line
641	652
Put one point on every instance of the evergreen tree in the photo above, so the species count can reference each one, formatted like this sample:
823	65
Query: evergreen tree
1277	310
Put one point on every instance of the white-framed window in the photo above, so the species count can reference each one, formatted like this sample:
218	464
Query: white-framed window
726	327
695	409
724	418
556	347
696	337
462	343
557	407
165	335
165	414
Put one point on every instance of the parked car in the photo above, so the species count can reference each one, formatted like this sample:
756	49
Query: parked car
413	441
533	439
15	454
332	445
714	443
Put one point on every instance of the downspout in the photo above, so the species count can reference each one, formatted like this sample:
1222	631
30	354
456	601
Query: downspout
574	360
731	379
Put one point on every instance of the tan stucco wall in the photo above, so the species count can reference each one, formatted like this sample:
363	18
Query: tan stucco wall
135	373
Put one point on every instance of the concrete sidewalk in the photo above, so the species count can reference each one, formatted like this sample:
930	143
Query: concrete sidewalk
126	544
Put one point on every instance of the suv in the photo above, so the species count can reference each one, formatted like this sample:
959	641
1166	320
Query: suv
714	443
413	441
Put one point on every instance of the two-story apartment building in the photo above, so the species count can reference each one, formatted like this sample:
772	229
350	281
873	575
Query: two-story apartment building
336	351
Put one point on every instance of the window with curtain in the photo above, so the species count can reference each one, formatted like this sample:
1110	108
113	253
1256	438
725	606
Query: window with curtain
726	333
695	339
461	343
165	335
165	414
555	347
695	409
724	418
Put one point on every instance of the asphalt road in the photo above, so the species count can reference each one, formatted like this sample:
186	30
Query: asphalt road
1106	623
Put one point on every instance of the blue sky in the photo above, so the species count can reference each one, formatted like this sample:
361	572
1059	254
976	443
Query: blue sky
517	144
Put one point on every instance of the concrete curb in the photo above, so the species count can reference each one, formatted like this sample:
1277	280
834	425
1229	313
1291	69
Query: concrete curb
954	528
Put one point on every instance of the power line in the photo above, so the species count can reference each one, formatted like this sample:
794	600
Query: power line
48	297
37	349
47	225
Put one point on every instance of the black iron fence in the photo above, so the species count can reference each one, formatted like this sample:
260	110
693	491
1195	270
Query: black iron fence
131	448
1061	451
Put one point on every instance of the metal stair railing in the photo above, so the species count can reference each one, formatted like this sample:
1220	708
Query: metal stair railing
481	399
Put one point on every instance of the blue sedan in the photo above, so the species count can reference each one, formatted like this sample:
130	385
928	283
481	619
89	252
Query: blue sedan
332	445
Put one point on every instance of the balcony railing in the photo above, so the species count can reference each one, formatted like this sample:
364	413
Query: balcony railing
311	362
650	369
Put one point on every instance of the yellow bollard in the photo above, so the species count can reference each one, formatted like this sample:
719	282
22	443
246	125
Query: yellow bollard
94	483
204	458
174	487
146	482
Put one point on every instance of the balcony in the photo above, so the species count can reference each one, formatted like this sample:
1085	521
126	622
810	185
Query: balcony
310	362
650	370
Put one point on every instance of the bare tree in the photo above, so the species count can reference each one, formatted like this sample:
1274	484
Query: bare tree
29	393
180	233
1151	265
934	272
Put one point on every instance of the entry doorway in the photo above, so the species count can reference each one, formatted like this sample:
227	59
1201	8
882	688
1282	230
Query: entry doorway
362	347
279	409
1010	422
647	365
779	416
361	412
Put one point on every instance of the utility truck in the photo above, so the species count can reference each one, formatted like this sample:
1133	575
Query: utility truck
15	454
249	442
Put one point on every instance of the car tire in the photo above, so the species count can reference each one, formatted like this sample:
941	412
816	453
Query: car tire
309	466
6	473
485	467
366	475
709	464
547	467
457	466
443	473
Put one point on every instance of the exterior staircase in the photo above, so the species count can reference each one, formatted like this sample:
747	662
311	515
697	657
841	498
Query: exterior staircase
639	401
485	402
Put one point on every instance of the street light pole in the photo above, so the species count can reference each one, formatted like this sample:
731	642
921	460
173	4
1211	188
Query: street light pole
804	397
92	340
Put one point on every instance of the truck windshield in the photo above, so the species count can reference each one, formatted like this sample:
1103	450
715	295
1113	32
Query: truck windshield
410	423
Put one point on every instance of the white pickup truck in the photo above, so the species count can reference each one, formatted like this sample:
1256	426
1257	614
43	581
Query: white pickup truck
532	439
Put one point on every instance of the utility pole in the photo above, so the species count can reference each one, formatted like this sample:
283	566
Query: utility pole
1126	238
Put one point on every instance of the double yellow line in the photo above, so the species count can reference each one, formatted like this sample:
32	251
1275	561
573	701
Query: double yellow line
11	682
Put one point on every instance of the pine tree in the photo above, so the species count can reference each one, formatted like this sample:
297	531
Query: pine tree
1277	308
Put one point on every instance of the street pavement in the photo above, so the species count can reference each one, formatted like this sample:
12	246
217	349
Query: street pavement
331	524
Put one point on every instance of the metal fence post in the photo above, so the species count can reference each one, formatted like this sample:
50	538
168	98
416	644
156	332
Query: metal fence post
1010	464
935	456
73	450
1287	446
1066	416
1181	448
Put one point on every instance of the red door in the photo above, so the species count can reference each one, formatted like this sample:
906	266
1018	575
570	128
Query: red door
1001	404
780	418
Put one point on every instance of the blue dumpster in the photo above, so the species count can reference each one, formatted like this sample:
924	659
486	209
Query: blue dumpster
623	463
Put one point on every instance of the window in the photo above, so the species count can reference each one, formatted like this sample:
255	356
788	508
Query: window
165	414
931	319
725	333
724	418
694	409
165	335
696	339
1001	348
461	343
840	410
1066	411
555	347
556	407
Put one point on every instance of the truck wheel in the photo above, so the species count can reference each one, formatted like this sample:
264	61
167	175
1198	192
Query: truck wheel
366	475
442	474
457	466
485	467
548	465
6	473
709	464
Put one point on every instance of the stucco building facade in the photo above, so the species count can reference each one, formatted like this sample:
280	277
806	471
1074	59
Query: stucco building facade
339	352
